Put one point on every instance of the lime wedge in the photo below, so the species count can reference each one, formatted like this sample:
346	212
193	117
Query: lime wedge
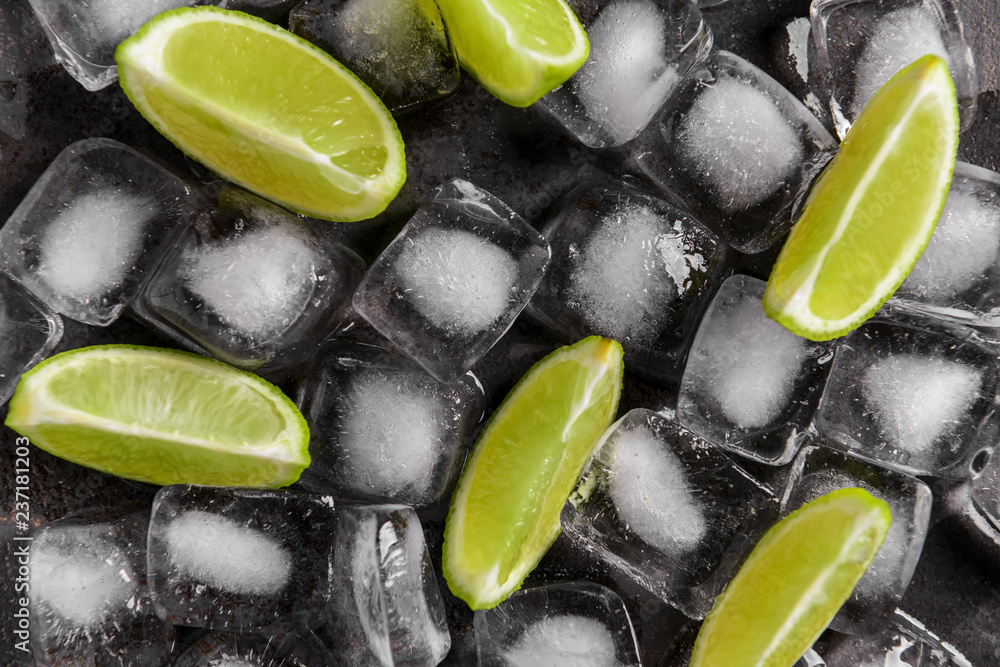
518	50
873	210
505	512
794	582
161	416
272	112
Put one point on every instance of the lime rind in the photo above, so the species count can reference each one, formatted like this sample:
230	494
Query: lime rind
485	590
793	309
139	65
819	604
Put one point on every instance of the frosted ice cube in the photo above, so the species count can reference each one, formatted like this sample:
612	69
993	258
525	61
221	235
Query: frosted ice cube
238	559
906	641
398	47
88	594
859	45
383	430
577	624
92	227
251	284
84	37
817	471
749	384
667	510
911	398
639	50
736	149
453	281
631	267
29	331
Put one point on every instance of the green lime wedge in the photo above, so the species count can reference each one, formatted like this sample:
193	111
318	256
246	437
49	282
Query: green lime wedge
265	109
161	416
873	210
794	582
505	512
518	50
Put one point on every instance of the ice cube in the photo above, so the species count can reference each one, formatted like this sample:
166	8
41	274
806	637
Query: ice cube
860	45
29	330
749	384
911	398
239	559
383	430
92	227
639	50
577	624
225	649
817	471
667	510
398	47
88	594
251	284
736	149
453	281
906	641
631	267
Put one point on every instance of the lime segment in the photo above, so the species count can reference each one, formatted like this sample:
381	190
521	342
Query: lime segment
794	582
505	512
161	416
319	142
518	50
872	212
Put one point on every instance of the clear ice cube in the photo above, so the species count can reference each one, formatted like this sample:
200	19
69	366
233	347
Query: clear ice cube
400	48
382	429
577	624
92	227
639	51
910	398
958	275
240	560
84	35
906	641
817	471
251	284
668	510
749	384
736	149
225	649
629	266
861	44
29	331
449	286
88	594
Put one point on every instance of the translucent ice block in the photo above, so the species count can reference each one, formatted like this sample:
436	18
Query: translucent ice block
639	51
225	649
382	429
577	624
749	384
398	47
736	149
89	599
29	331
92	228
452	282
251	284
629	266
818	470
913	399
860	44
240	560
906	641
668	510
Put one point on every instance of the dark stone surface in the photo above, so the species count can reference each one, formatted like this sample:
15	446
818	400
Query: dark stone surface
42	110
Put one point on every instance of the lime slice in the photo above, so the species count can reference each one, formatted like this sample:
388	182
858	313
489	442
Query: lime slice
794	582
272	113
161	416
517	49
505	512
873	210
